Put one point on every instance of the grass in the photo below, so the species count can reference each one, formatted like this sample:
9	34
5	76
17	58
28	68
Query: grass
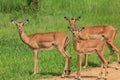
16	58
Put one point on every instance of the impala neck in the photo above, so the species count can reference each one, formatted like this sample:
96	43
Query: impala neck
23	36
73	26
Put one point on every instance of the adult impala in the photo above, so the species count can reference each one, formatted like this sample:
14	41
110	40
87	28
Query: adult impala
96	32
88	46
43	41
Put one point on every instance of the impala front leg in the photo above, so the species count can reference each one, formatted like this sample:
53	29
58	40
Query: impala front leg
86	61
35	61
79	63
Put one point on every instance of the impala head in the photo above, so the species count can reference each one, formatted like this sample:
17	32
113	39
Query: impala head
72	22
19	24
76	33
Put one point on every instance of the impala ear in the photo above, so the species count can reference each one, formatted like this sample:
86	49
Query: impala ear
25	22
80	29
14	22
77	18
66	18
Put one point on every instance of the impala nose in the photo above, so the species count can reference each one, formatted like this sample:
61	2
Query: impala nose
69	28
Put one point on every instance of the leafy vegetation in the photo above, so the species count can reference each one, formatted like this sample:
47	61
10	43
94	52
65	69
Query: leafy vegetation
16	58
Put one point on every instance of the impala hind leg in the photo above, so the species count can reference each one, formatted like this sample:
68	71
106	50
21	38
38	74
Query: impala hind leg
67	62
69	59
114	47
101	71
105	65
111	52
65	45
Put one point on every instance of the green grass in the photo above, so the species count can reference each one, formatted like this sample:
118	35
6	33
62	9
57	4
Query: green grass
16	58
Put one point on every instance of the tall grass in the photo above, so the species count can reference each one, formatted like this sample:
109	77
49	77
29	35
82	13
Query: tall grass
10	5
16	58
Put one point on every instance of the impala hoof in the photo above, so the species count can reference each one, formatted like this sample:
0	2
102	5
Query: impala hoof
77	78
63	76
105	78
98	77
108	62
116	68
34	73
69	71
84	67
119	62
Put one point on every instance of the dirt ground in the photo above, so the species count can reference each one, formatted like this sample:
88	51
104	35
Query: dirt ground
91	74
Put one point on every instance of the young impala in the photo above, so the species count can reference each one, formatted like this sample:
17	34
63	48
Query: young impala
88	46
45	41
96	32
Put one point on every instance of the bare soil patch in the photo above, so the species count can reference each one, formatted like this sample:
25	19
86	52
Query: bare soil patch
91	74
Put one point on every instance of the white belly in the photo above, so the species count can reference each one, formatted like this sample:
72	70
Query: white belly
46	46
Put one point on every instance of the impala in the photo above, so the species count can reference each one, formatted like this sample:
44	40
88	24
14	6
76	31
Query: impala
45	41
88	46
96	32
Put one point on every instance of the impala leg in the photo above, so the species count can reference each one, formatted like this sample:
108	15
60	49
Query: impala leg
114	47
35	61
118	60
101	71
110	56
67	62
79	63
118	57
106	72
111	52
117	51
67	54
86	61
105	64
